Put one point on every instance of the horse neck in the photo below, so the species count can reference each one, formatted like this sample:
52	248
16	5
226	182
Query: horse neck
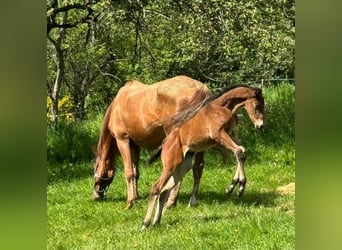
234	99
106	144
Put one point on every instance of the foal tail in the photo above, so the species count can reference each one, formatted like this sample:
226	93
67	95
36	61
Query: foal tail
154	156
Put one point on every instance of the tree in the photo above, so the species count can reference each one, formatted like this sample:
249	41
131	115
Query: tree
105	43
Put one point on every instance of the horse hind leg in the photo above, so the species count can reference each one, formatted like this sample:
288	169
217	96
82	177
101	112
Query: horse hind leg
197	174
151	206
173	181
159	193
173	197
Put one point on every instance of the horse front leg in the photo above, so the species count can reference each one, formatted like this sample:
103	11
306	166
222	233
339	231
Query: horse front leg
225	140
125	151
239	176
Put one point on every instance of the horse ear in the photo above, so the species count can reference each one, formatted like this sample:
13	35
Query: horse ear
94	149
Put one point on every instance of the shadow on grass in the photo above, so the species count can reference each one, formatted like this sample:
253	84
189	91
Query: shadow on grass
255	199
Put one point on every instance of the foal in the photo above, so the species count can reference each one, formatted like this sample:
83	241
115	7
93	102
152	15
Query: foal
206	128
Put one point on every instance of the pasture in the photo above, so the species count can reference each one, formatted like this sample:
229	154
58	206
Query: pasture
263	218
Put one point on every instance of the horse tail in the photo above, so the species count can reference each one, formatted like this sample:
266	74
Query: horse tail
154	156
189	110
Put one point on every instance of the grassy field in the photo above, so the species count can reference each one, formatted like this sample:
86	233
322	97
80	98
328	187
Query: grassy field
262	219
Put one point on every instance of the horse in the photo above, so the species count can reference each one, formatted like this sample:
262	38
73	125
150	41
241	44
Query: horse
139	117
201	130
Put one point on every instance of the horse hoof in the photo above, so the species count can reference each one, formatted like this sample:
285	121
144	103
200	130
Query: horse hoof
129	205
98	198
193	202
229	190
171	204
240	193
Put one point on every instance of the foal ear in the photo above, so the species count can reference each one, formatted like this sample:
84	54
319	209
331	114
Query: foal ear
257	91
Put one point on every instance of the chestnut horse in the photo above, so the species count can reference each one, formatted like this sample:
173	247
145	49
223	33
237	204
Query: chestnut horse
201	130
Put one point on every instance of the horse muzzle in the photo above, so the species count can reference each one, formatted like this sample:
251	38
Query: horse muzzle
259	124
98	196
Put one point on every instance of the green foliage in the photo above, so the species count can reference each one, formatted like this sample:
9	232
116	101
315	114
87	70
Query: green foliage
212	41
72	142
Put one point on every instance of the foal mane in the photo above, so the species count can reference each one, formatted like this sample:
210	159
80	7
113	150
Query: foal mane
223	91
190	110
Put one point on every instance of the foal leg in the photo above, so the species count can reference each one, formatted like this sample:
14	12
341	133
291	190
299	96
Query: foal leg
172	200
197	171
239	176
197	174
172	181
125	151
225	140
151	205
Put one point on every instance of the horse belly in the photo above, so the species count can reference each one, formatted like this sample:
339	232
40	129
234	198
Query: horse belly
148	139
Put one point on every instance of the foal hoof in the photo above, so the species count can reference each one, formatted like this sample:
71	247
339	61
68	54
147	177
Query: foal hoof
229	190
240	192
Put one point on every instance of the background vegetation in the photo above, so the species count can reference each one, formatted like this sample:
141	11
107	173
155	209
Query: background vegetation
94	47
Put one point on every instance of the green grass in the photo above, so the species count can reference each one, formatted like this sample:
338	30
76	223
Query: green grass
260	219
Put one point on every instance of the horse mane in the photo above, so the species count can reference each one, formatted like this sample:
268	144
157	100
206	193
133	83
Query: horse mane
191	109
104	130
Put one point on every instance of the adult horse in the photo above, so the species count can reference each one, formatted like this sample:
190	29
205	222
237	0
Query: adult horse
139	116
200	130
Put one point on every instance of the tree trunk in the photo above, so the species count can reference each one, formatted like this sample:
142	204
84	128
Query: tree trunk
54	93
81	87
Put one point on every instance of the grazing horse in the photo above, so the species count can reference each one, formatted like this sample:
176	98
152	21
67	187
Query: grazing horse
200	130
139	116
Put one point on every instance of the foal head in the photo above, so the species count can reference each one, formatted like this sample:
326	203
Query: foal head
103	175
255	108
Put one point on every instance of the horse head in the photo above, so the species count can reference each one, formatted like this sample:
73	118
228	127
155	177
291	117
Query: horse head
255	108
103	175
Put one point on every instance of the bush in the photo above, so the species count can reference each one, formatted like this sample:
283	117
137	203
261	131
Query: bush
72	142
